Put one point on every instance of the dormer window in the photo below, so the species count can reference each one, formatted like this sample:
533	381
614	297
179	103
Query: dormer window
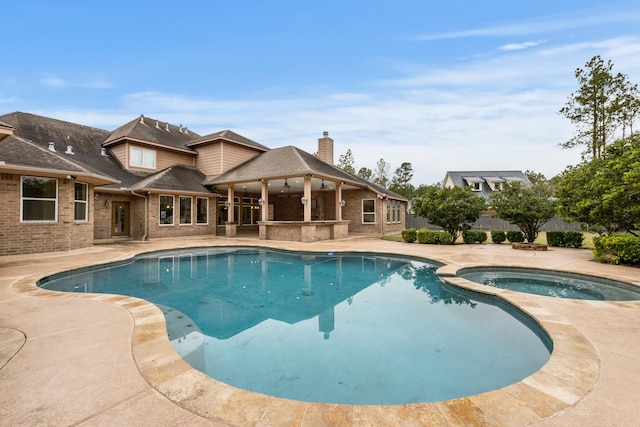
475	182
495	182
143	158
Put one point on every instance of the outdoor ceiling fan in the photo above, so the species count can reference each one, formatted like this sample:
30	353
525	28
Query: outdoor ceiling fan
286	185
323	185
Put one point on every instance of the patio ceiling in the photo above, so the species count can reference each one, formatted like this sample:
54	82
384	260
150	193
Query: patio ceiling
277	186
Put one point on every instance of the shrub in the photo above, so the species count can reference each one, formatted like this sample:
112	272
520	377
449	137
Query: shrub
498	236
432	237
573	239
409	235
554	238
474	236
565	239
617	249
515	236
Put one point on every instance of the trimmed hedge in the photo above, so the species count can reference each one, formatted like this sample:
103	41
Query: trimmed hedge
498	236
515	236
565	239
617	249
474	236
433	237
409	235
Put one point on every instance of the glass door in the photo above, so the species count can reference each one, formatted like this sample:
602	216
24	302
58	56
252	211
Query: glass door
120	219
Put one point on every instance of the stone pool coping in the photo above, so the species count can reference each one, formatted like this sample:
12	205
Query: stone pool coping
571	373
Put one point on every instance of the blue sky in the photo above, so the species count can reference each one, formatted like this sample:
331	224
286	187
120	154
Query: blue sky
458	85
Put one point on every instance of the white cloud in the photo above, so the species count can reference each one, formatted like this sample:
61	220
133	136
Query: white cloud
518	46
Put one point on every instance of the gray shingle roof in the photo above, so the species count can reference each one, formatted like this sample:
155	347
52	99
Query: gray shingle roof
485	178
278	163
227	135
291	161
177	178
153	131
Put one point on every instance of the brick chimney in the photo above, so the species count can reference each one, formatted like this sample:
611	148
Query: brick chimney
325	148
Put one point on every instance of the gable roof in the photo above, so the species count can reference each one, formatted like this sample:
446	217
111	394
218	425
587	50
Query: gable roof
151	131
279	163
291	161
178	178
485	178
227	135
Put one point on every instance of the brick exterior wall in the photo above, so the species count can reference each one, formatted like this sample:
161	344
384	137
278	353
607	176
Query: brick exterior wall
156	230
34	237
352	211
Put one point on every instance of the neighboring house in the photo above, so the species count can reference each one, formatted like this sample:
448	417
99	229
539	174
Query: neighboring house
65	185
483	183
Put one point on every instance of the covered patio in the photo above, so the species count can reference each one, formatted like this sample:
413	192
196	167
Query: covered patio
287	194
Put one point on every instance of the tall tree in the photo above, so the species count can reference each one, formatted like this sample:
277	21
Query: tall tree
346	161
401	181
454	209
604	193
365	173
528	207
381	174
594	107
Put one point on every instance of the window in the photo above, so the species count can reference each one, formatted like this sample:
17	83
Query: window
476	186
39	199
185	210
142	158
202	210
393	211
81	201
166	210
368	211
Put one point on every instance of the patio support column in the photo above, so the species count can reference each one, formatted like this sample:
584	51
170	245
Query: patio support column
264	195
338	199
230	226
307	196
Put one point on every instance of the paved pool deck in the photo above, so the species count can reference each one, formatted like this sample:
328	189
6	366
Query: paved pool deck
102	360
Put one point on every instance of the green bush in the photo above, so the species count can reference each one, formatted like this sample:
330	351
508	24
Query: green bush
515	236
409	235
474	236
565	239
432	237
616	249
554	238
573	239
498	236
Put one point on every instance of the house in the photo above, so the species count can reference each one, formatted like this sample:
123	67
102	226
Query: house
483	183
65	186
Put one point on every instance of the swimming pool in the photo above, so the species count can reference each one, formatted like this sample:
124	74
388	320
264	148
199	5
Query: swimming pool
336	328
552	283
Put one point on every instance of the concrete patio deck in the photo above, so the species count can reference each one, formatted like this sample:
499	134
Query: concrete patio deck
93	360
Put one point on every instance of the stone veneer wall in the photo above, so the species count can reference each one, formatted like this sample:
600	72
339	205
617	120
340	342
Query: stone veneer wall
35	237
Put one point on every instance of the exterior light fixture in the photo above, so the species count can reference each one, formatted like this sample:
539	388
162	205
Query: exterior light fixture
226	203
303	200
342	203
261	202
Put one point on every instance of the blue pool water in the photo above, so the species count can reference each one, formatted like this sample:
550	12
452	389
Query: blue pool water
553	284
336	328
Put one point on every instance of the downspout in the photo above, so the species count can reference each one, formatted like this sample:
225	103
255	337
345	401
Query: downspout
146	213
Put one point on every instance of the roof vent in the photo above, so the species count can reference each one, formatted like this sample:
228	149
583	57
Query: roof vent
186	131
103	151
52	146
157	125
180	128
69	150
167	127
142	118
